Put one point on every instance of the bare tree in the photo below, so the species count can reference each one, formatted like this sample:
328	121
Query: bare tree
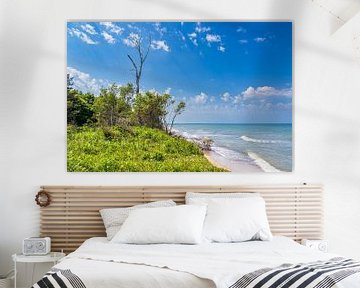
205	143
136	41
178	109
172	111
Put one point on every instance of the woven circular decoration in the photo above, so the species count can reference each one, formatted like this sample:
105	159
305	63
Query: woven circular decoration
42	198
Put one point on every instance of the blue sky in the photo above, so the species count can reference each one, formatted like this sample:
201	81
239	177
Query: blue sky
229	72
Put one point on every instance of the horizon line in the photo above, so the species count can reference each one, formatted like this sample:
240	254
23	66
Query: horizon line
255	123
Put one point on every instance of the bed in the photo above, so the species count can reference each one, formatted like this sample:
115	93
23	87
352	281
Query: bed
99	263
294	211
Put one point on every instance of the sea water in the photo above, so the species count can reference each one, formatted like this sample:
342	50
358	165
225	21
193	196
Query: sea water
268	146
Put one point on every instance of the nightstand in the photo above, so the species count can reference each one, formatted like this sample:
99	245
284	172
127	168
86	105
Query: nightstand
320	245
52	257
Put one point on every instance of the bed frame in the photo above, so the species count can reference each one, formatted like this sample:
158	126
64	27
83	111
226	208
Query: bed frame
73	214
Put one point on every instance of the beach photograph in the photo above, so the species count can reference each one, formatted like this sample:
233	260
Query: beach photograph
179	97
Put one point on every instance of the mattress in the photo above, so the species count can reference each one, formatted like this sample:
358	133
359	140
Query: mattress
99	263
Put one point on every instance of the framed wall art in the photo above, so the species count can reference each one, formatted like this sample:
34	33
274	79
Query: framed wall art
179	96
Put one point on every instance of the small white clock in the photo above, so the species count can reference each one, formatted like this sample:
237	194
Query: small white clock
320	245
36	246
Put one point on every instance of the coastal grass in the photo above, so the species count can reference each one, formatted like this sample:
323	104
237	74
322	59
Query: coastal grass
135	149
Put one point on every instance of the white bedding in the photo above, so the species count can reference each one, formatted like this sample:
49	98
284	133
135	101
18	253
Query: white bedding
100	263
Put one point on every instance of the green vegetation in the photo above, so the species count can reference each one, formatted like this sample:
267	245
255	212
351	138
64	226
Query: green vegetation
117	131
125	129
138	149
119	106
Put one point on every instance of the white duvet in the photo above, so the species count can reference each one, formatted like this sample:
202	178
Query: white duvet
100	263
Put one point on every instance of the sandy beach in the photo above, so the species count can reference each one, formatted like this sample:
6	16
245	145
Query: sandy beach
244	148
259	165
231	165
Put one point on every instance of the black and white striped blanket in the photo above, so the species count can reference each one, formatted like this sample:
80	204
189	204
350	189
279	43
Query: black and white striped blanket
320	274
57	278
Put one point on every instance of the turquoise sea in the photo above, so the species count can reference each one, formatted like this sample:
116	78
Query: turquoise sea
268	146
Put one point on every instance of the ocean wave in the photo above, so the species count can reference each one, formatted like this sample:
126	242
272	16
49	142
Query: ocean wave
185	134
189	136
230	154
264	165
249	139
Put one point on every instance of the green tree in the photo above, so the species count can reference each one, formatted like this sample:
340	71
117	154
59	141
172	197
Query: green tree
150	109
69	81
113	106
79	107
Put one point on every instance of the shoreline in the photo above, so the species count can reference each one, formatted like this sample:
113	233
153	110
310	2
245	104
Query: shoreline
257	163
232	166
213	162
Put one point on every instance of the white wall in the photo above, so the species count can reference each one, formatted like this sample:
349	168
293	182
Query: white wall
33	105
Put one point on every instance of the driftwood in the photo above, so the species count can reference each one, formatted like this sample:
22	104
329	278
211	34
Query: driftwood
204	143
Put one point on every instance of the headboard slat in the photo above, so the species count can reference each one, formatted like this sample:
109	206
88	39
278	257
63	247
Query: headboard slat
73	216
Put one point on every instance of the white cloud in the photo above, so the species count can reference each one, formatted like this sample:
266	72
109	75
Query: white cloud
108	38
133	27
182	36
160	29
85	83
167	90
201	98
192	37
241	29
113	28
226	97
213	38
238	99
259	39
264	106
284	106
89	29
243	41
200	29
160	45
249	92
266	91
152	90
221	48
82	36
132	40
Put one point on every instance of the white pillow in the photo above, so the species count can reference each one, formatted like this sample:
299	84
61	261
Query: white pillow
173	225
204	198
236	220
113	218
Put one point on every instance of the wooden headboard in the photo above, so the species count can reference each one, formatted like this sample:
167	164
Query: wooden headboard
73	215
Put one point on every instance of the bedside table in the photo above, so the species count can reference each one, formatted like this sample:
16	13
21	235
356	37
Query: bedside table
52	257
320	245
